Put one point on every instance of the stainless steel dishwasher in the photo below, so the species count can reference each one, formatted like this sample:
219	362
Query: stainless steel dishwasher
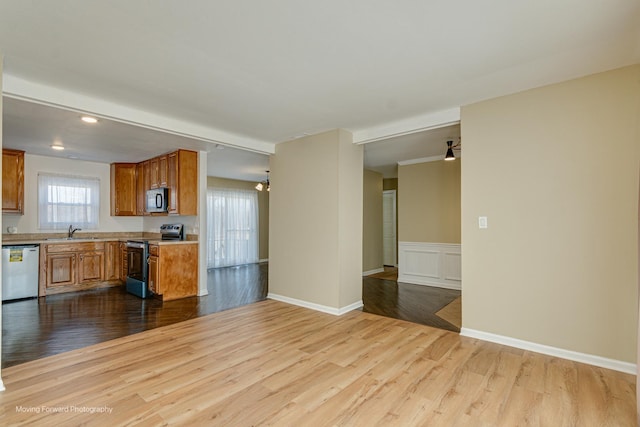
19	271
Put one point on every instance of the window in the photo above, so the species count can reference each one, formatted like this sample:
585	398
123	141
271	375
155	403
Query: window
67	200
232	224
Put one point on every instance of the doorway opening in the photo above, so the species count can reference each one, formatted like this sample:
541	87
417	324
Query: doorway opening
389	229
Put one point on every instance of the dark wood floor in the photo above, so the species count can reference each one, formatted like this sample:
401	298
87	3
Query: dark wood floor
36	328
415	303
40	327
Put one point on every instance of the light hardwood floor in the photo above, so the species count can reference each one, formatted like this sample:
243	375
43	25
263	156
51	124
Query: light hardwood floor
270	363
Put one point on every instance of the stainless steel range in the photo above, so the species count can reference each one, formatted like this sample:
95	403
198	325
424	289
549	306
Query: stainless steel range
172	231
138	259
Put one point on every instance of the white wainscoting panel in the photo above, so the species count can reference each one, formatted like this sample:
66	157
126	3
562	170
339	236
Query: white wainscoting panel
431	264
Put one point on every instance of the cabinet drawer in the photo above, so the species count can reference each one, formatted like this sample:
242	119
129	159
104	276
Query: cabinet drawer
75	247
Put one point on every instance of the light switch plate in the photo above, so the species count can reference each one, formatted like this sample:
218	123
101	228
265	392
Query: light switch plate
482	222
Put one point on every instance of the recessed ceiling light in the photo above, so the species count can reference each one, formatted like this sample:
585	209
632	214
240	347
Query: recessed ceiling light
57	147
89	119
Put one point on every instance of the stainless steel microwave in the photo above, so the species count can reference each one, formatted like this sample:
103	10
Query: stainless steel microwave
157	200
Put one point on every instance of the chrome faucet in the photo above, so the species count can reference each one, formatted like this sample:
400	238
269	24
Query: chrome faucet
72	230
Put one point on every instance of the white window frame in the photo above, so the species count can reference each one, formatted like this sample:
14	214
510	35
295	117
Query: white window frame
81	212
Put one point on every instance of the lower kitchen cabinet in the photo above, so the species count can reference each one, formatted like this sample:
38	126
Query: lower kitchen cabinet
60	269
153	274
70	267
112	261
90	267
124	261
173	270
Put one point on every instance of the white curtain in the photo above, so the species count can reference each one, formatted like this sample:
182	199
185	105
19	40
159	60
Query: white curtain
68	200
232	224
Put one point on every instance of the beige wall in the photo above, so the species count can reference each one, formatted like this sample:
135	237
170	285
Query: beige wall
372	221
429	202
555	170
263	207
390	184
315	245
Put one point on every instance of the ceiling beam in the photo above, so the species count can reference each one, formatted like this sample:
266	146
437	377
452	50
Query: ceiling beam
19	88
408	126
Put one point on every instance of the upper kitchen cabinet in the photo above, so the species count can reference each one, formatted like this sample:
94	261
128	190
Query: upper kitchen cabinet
158	172
12	181
123	189
182	180
177	171
143	170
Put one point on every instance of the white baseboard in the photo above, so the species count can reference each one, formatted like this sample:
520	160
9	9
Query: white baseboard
374	271
263	260
316	307
2	386
590	359
404	278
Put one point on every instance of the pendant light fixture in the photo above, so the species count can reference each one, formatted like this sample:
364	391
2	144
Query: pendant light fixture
264	184
450	148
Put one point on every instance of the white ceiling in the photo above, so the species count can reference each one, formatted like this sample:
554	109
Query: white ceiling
383	156
34	128
252	74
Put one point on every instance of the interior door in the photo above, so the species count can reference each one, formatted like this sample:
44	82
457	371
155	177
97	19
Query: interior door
389	239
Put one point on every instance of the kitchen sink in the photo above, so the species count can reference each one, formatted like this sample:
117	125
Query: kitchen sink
71	238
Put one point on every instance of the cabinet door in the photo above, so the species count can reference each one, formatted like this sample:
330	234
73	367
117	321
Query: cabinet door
123	189
90	267
154	285
12	181
124	261
112	261
140	190
61	269
162	171
172	181
153	168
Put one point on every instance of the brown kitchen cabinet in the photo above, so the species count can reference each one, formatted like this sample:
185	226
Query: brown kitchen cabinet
124	196
60	269
124	261
153	274
142	182
90	267
74	266
183	182
158	172
162	171
13	181
173	270
178	171
112	260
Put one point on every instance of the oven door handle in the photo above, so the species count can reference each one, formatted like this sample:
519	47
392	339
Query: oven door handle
130	263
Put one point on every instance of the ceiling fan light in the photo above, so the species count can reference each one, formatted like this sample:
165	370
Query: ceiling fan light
259	186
